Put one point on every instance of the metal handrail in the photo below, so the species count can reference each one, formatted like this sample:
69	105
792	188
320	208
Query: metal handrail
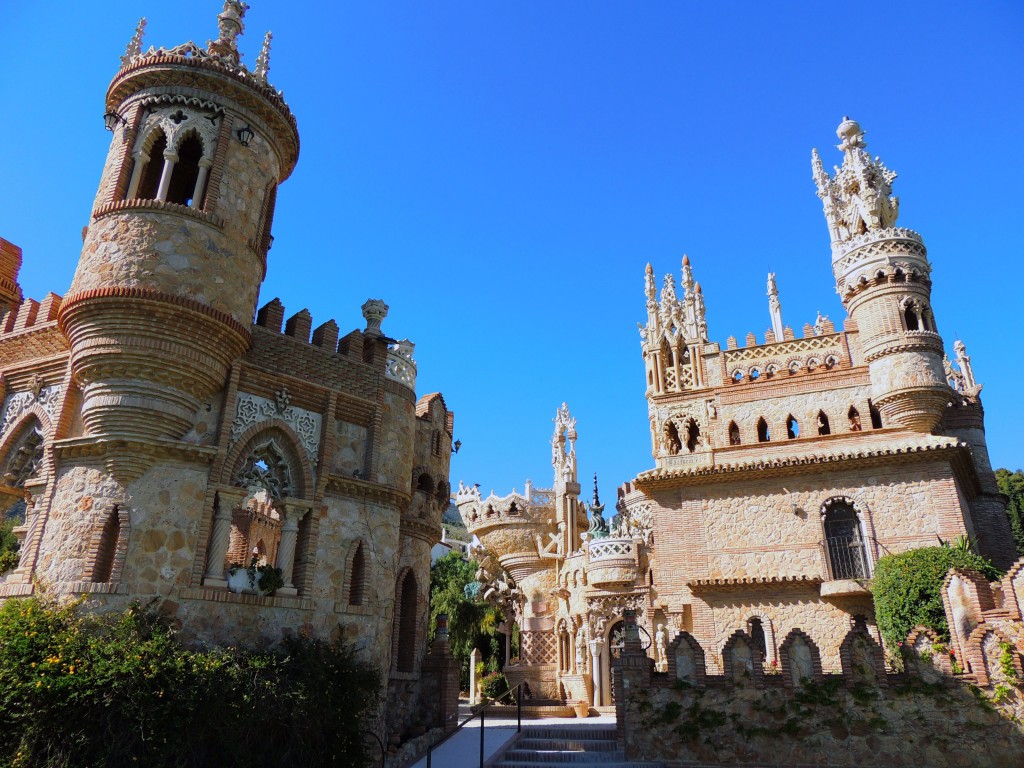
481	713
383	751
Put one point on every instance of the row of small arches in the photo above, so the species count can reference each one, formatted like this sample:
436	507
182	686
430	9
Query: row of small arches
792	367
823	425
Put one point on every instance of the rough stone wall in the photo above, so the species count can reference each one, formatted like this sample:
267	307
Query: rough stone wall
907	724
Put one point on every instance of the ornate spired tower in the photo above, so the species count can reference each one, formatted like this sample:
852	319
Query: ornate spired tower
882	275
172	262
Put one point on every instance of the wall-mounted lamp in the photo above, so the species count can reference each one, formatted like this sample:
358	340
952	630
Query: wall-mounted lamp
245	134
456	445
111	120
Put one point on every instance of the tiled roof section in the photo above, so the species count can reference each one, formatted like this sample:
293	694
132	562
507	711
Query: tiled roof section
754	581
872	454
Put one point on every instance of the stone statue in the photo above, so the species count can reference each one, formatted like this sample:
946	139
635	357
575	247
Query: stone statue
581	652
800	659
963	361
661	654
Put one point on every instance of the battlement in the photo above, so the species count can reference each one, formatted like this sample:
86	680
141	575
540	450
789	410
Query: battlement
30	314
10	265
816	350
367	346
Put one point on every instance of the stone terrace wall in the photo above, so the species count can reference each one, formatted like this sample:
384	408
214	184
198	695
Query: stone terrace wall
826	723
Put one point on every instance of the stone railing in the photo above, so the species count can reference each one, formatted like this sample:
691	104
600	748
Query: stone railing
613	561
603	549
400	366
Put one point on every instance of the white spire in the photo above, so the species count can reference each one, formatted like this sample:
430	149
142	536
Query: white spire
263	60
774	307
135	44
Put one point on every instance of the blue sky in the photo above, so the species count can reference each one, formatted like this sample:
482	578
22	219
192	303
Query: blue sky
500	173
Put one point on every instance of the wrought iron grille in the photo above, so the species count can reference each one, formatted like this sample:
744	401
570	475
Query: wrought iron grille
846	557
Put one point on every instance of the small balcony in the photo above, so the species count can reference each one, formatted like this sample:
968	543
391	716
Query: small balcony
848	569
613	561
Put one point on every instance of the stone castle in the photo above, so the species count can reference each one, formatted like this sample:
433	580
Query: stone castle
157	440
783	471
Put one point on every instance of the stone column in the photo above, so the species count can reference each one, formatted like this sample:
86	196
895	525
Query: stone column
597	673
197	194
141	158
441	665
170	158
474	659
292	511
228	499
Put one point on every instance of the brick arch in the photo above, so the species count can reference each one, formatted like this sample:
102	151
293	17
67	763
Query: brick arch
34	412
302	486
108	545
1013	590
768	627
854	636
405	636
356	573
731	673
965	608
786	660
922	638
974	656
688	642
867	524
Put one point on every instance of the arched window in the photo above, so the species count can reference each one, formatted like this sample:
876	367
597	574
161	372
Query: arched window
107	549
357	577
692	435
876	416
406	603
425	484
844	541
673	443
756	629
823	426
185	173
763	436
854	416
792	427
153	167
910	317
734	434
267	219
25	458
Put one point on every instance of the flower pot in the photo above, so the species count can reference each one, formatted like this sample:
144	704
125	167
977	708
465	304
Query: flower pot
582	709
245	581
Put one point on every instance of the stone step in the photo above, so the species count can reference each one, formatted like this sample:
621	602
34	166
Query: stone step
567	756
575	733
543	764
571	745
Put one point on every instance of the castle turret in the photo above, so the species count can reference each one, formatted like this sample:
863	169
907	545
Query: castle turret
882	275
175	252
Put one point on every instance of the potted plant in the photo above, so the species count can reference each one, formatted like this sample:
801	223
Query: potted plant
255	579
582	708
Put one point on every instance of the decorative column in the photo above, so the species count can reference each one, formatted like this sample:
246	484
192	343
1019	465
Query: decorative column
228	499
597	654
204	169
292	511
474	659
141	158
170	158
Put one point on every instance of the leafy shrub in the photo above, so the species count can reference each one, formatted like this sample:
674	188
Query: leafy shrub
121	690
494	685
907	589
8	545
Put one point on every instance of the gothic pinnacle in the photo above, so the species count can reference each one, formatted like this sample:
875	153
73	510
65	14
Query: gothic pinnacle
263	60
135	44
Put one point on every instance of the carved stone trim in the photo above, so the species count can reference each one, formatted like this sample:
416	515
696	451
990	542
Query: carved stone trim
16	403
252	409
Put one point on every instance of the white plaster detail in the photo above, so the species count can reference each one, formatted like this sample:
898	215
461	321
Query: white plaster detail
17	403
253	409
400	366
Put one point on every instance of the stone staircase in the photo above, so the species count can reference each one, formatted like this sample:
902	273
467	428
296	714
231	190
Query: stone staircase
544	746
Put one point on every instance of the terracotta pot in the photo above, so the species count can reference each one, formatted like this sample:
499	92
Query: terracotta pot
582	709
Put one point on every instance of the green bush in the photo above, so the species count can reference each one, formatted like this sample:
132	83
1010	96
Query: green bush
8	545
494	685
907	589
78	690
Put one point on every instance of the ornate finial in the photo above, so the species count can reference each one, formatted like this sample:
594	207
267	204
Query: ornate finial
852	137
374	311
697	289
597	501
263	60
135	44
230	25
859	197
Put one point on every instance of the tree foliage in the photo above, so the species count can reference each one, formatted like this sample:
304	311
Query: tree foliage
1012	484
121	690
8	545
472	623
907	589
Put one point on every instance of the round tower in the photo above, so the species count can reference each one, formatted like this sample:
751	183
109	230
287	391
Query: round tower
175	252
883	277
